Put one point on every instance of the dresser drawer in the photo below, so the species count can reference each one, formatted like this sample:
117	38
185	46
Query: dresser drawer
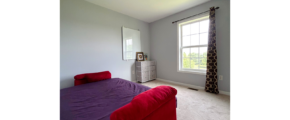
140	69
143	79
145	63
152	72
142	73
143	76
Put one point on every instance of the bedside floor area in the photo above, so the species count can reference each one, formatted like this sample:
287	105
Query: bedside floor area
197	105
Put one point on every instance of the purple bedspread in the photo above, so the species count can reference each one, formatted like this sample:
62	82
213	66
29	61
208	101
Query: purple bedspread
97	100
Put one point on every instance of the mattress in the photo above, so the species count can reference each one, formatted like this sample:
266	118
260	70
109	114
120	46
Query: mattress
97	100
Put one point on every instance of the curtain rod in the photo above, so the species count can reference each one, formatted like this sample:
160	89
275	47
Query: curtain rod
192	16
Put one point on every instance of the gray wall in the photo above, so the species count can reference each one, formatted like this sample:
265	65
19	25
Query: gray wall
163	45
90	41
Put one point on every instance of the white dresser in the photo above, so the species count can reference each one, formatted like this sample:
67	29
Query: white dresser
145	70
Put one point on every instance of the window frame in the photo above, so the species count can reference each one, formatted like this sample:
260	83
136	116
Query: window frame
179	46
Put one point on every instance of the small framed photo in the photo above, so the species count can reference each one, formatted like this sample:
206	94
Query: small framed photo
139	56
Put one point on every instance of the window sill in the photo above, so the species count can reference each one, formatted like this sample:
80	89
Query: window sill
192	72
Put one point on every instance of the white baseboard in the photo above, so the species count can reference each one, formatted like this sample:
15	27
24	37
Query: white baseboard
192	86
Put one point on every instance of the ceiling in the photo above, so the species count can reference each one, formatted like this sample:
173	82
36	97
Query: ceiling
148	10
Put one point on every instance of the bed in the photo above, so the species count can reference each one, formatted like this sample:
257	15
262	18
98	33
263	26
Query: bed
116	99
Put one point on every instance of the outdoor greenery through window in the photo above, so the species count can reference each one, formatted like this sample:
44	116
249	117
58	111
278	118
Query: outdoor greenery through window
193	48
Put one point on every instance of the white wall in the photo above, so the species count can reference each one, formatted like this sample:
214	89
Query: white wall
163	45
90	41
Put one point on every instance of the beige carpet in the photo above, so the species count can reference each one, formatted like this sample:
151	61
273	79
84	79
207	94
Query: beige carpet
198	105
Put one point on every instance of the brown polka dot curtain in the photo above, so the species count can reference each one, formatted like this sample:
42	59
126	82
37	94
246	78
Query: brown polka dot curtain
211	84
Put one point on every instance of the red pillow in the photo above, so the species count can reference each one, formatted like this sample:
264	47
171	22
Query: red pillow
93	77
145	103
80	76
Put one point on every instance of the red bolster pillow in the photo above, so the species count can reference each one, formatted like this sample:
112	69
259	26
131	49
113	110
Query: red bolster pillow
93	77
80	76
145	103
80	82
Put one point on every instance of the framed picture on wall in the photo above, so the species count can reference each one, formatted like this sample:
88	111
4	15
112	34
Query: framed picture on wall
139	56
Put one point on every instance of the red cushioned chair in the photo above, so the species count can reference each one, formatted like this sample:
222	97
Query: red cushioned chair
155	104
91	77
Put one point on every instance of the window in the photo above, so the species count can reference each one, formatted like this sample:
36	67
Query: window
131	43
192	45
128	49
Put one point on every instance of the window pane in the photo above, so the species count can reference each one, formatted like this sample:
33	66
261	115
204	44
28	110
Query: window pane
129	55
202	64
202	51
204	26
194	28
185	63
194	39
194	63
129	41
204	38
193	52
129	45
186	41
185	52
185	30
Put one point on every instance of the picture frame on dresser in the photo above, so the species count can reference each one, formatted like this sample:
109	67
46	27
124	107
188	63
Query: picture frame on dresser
139	56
